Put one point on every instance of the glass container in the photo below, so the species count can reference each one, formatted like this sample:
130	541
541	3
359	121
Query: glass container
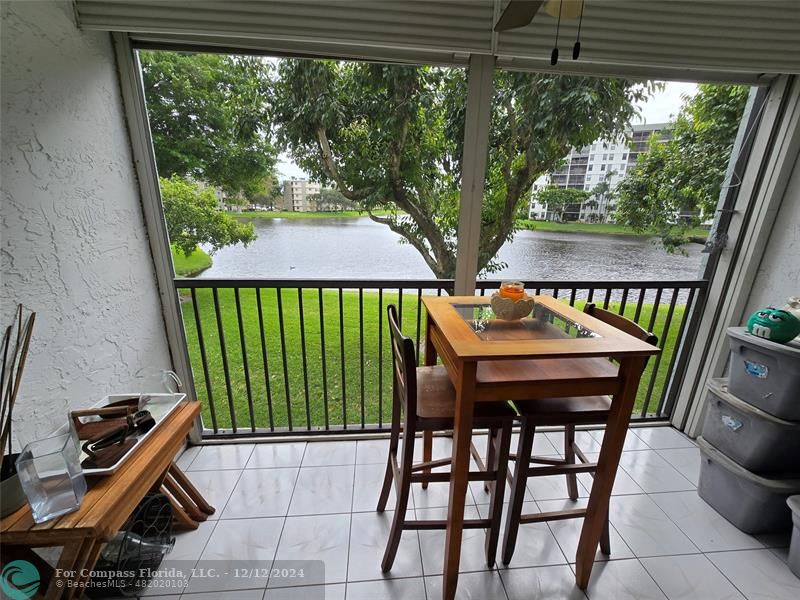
51	476
515	290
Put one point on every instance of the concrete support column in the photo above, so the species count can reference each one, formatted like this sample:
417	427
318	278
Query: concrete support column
473	169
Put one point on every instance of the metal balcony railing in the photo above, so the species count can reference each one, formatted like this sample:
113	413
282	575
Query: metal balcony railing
282	357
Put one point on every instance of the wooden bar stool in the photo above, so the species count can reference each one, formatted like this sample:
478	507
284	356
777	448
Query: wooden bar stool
423	401
567	412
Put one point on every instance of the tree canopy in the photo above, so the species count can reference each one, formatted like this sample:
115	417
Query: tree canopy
390	137
209	117
558	199
677	182
193	217
329	199
604	194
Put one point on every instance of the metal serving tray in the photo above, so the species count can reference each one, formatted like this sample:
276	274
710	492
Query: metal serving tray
159	405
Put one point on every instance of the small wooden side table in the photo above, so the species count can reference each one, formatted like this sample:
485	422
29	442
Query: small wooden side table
108	503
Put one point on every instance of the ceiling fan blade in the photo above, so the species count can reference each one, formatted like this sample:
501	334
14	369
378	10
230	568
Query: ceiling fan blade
518	13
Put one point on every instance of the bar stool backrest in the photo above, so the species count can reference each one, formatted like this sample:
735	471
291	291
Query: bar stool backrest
623	324
404	365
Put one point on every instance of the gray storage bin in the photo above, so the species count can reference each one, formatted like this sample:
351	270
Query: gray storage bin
753	438
794	549
765	374
753	503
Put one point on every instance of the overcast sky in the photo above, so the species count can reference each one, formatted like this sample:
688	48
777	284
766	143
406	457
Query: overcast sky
664	105
661	108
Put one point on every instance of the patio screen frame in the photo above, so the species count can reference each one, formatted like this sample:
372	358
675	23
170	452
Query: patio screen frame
481	70
748	220
480	78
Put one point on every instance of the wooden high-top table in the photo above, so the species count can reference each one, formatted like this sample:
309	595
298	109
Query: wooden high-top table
561	352
108	503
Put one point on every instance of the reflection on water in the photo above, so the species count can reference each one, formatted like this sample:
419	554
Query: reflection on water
548	255
358	248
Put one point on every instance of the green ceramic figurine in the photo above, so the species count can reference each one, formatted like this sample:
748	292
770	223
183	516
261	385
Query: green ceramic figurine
774	324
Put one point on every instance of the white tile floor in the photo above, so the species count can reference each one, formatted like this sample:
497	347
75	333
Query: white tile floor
317	500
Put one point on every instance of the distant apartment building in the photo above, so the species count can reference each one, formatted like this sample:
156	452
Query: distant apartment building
584	168
298	195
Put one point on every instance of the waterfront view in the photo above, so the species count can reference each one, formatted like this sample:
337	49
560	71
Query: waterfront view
358	248
306	354
303	342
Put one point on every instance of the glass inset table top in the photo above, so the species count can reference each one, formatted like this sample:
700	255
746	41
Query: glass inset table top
542	324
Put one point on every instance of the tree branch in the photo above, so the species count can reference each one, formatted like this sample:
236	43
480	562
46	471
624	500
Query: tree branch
417	242
329	165
516	185
512	139
442	261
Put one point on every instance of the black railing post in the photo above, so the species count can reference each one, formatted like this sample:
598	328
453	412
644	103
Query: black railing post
639	304
341	347
204	361
324	359
303	353
245	366
675	350
361	353
685	341
663	345
224	353
380	358
624	301
282	329
265	361
419	321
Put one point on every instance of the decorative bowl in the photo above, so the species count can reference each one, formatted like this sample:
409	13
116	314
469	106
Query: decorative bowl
511	310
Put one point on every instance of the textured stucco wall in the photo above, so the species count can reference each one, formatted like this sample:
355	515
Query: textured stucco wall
73	246
779	272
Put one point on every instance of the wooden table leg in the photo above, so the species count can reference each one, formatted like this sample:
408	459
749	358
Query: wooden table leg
427	436
427	453
180	500
188	505
193	493
90	552
65	575
462	437
430	349
607	464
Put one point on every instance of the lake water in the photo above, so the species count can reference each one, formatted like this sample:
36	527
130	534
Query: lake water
358	248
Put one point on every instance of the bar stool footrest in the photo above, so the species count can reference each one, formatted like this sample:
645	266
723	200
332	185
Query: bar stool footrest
558	515
442	524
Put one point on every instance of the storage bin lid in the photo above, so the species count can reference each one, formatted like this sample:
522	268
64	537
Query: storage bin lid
779	485
792	349
719	387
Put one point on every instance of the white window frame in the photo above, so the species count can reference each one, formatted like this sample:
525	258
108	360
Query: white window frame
145	163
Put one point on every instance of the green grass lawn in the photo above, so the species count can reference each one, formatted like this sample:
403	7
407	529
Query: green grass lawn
598	228
310	377
188	266
269	214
